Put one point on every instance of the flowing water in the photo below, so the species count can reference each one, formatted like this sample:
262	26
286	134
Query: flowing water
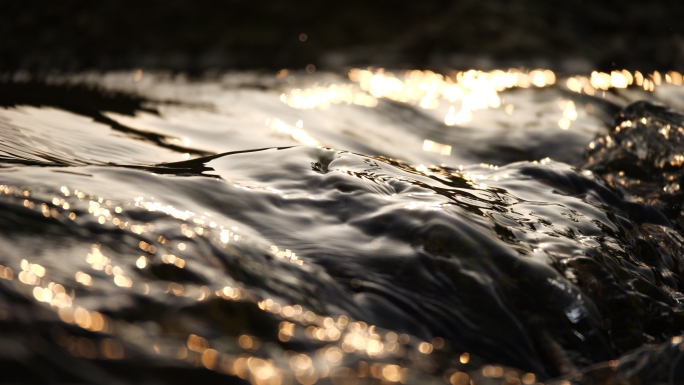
319	228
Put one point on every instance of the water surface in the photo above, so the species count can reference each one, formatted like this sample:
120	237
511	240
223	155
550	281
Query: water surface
309	228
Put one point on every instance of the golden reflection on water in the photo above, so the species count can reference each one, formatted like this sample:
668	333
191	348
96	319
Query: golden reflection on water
621	79
431	146
569	113
473	90
323	96
462	93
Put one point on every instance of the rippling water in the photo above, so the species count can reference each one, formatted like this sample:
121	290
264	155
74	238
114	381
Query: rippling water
307	229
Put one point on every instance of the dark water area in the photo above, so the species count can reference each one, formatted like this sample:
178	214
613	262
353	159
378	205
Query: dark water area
235	229
182	35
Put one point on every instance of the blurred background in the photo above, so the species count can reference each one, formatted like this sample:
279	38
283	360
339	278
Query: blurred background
199	36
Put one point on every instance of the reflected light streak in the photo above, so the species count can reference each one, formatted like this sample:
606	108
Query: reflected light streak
569	113
620	79
439	148
323	97
297	133
474	89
